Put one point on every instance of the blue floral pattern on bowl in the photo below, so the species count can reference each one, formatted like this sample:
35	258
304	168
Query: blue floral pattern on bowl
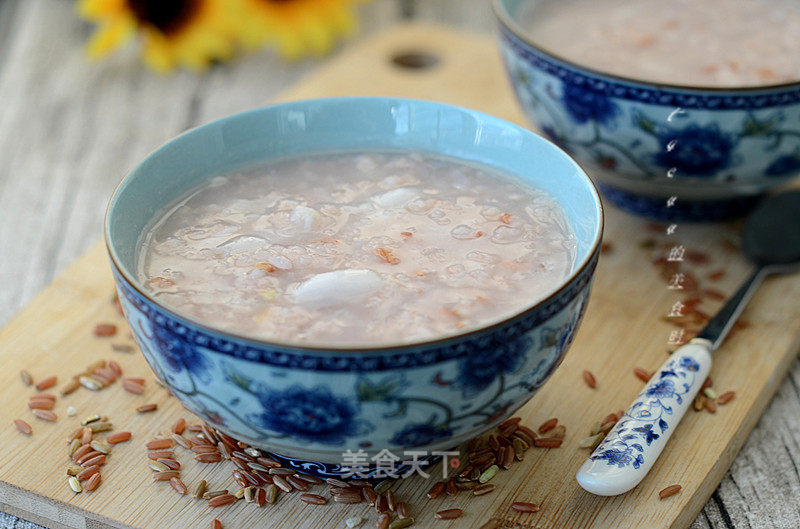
649	411
711	148
310	406
309	411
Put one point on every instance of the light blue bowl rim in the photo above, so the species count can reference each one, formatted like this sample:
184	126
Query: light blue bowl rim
501	11
577	273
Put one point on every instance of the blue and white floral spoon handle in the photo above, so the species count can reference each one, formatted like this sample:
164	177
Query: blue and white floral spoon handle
626	454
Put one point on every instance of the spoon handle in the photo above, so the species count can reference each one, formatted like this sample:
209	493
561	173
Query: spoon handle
625	456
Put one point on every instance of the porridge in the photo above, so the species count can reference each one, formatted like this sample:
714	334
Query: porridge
721	43
357	249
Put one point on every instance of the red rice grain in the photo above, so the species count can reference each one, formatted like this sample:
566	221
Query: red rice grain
547	442
436	490
449	514
669	491
23	426
105	329
93	482
178	485
179	426
45	415
118	437
222	499
726	397
87	472
548	425
642	374
313	499
46	383
158	444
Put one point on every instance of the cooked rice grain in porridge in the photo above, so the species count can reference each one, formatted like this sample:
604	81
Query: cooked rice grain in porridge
720	43
357	249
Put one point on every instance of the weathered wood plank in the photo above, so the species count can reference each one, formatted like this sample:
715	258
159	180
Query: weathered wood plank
69	130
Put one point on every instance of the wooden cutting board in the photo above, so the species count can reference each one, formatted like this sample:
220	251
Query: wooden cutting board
623	328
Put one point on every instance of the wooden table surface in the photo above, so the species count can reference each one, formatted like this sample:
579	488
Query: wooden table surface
69	131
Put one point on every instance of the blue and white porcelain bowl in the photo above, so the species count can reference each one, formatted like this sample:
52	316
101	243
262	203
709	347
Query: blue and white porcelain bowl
714	150
316	408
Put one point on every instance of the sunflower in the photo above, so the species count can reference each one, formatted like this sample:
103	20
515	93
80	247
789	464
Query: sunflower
297	27
190	33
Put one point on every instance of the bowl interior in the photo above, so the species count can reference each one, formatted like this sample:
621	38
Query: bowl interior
342	124
508	11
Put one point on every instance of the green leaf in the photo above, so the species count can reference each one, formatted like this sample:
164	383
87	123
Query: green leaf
753	127
382	391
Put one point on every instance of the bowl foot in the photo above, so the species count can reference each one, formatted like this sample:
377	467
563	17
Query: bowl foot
654	207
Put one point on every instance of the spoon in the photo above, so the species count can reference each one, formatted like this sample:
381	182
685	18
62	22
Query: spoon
771	240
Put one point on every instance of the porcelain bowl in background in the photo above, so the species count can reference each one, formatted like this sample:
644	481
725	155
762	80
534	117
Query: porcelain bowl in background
715	150
309	406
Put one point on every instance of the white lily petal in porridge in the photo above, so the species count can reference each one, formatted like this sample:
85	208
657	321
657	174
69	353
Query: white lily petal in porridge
357	249
720	43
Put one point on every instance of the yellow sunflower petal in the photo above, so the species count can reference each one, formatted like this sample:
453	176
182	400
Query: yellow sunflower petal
296	27
110	36
96	9
156	54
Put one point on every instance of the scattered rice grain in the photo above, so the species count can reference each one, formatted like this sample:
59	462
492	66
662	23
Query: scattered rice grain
524	506
200	489
26	377
179	426
548	425
45	415
118	437
87	472
449	514
488	474
158	444
165	475
100	446
223	499
214	493
313	499
669	491
90	383
46	383
105	329
93	482
23	426
383	521
726	397
158	466
178	485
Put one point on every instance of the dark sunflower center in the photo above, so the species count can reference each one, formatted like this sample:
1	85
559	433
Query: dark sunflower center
167	16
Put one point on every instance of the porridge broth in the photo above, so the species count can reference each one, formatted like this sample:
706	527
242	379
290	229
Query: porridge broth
720	43
357	249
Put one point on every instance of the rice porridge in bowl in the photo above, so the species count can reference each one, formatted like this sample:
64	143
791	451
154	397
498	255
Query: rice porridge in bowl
719	43
699	101
357	274
368	248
